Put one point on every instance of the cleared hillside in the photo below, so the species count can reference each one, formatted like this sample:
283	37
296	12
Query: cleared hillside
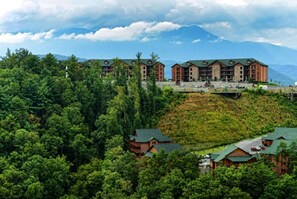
207	120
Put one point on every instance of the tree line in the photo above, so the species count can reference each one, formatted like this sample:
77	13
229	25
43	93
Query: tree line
66	136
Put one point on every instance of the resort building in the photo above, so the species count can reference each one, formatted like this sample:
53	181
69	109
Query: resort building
272	141
242	153
146	67
144	139
248	151
220	69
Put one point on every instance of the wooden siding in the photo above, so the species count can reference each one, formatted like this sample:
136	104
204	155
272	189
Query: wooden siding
238	152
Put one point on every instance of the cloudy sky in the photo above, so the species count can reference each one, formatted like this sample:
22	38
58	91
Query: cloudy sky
32	23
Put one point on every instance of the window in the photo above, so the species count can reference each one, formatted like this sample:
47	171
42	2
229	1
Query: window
240	72
144	67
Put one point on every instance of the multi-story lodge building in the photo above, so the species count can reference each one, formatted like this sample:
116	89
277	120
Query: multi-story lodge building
234	155
149	141
221	69
248	151
272	141
147	65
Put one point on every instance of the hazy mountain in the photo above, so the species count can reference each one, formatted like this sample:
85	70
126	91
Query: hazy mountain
289	70
186	43
195	43
62	57
279	78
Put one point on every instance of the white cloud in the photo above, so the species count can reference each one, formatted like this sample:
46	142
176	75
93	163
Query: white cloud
134	31
217	25
230	19
237	3
177	42
27	36
196	41
36	15
282	36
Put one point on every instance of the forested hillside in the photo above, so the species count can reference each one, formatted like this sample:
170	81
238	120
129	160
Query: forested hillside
57	116
207	120
63	134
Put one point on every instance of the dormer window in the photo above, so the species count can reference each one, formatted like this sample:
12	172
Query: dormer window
149	62
106	62
231	62
205	62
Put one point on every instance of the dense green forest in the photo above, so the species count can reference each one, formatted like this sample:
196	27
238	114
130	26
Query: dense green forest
63	134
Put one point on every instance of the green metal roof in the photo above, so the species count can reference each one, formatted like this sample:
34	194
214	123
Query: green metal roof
282	133
145	135
240	158
229	149
149	154
226	62
273	148
184	65
222	154
214	156
168	148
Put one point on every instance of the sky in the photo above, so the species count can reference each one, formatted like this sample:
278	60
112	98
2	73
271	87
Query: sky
36	24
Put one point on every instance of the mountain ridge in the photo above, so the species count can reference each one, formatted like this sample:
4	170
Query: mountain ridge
189	43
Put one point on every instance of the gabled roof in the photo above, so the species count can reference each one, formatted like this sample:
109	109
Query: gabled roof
226	62
271	150
168	148
222	154
244	146
247	145
146	135
240	158
184	65
282	133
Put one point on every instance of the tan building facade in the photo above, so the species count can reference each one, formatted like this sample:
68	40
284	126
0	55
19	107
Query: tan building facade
146	67
222	69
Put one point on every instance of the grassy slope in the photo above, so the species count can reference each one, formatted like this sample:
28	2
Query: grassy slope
207	120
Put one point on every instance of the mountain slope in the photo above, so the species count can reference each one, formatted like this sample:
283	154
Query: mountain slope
207	120
185	43
280	78
289	70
